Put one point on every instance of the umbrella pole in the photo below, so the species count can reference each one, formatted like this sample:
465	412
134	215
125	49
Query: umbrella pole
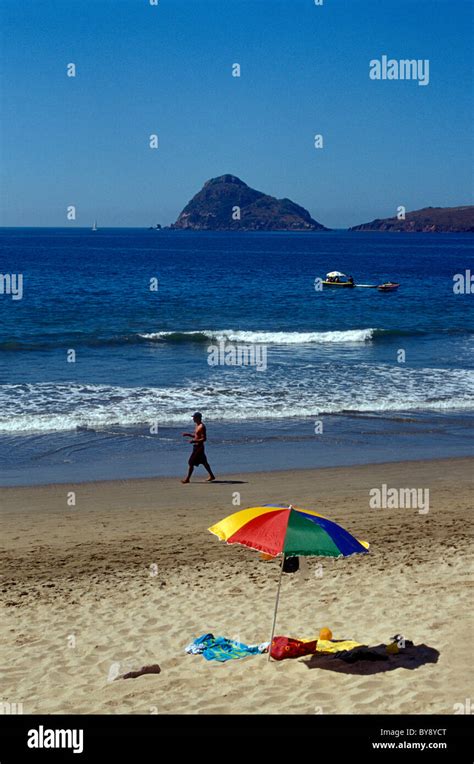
276	608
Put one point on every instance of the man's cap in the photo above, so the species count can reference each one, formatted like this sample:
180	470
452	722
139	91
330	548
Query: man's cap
197	413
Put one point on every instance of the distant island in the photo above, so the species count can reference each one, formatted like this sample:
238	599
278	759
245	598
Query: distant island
427	220
227	203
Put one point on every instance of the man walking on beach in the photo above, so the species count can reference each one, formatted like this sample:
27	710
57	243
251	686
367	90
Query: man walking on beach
198	455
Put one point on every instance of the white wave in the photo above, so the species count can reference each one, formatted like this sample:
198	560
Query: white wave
270	338
48	407
45	423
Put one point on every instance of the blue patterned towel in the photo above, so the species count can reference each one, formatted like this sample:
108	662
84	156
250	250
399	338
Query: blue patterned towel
223	649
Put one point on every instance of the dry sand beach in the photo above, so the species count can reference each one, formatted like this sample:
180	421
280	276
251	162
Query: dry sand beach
130	575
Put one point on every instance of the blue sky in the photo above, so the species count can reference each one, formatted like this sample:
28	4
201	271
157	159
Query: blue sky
143	69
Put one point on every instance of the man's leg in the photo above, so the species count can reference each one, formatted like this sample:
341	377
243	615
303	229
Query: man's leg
207	467
188	476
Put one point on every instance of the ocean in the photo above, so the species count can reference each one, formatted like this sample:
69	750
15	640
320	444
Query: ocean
106	356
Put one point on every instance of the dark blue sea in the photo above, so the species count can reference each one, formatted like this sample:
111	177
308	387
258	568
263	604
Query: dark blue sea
339	376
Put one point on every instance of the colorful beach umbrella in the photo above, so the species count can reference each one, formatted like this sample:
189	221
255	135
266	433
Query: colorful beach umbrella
281	529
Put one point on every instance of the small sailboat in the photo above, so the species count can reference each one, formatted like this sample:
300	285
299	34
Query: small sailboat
94	227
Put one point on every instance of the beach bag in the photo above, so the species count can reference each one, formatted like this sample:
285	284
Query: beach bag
285	647
291	564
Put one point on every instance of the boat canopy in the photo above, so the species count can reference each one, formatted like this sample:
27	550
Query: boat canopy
332	274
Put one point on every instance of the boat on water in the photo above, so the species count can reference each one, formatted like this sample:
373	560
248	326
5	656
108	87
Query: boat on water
94	227
338	279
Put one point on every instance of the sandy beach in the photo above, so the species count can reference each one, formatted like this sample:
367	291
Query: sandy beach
130	575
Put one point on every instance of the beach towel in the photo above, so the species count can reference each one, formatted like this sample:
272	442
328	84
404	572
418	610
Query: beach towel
223	649
335	646
199	645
